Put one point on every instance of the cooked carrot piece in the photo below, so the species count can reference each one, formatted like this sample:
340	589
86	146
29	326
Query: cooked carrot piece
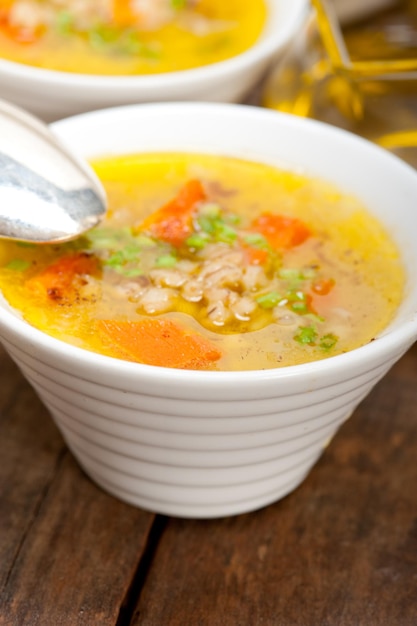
20	34
5	7
310	304
173	221
4	15
123	14
60	280
157	342
323	286
281	231
255	256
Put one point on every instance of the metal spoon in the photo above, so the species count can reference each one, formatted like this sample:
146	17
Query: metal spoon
47	194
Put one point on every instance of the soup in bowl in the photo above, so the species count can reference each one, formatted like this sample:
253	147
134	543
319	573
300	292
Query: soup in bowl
304	234
214	263
87	55
125	37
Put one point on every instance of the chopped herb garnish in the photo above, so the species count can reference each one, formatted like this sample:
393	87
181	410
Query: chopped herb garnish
268	300
18	265
232	218
210	209
218	226
166	260
256	240
206	223
106	238
25	244
297	301
197	241
314	317
299	307
327	342
142	241
225	233
288	273
131	43
129	272
294	277
64	22
104	37
306	335
115	260
131	252
101	36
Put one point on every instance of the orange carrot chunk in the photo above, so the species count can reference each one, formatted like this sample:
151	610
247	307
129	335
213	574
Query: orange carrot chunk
60	280
255	256
173	222
20	34
157	342
323	286
123	14
281	231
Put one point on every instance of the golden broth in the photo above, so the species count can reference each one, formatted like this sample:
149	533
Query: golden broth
332	288
214	31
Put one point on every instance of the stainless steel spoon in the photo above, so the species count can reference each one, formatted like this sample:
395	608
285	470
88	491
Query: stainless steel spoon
47	194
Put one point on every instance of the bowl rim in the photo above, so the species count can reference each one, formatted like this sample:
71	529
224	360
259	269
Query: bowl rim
260	50
386	347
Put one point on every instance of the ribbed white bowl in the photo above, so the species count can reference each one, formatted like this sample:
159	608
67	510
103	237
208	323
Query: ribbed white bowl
52	95
209	444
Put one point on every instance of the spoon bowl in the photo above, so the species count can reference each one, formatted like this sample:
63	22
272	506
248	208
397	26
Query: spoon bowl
47	194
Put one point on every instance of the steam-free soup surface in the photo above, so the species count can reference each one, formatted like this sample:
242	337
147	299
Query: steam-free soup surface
123	37
209	262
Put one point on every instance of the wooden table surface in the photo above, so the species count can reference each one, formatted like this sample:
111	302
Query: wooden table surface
340	550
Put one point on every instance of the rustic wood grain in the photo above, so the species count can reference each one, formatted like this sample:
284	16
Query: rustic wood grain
28	451
68	551
340	550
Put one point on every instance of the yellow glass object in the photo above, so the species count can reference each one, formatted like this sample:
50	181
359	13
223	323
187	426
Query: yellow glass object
361	77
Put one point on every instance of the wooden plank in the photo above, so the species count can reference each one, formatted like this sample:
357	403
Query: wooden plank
10	381
29	449
340	550
68	551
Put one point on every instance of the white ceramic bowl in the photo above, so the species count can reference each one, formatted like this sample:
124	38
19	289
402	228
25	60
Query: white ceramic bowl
207	444
52	95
